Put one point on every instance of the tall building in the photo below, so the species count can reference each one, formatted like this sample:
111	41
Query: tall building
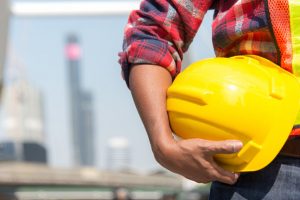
81	108
23	123
118	154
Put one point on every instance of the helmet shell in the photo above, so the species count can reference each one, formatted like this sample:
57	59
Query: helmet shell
246	98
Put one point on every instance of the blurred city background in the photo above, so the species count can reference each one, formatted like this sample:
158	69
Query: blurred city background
68	125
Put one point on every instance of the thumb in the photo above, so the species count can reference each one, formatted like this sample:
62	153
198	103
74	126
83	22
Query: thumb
225	146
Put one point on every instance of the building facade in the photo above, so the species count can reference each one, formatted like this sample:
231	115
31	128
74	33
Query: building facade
23	123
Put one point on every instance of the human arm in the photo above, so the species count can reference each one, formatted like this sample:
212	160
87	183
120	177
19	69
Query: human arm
155	39
192	158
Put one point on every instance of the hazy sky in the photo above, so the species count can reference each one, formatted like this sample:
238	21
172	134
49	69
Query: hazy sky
38	45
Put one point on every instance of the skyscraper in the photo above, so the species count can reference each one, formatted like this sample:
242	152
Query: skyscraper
23	123
81	108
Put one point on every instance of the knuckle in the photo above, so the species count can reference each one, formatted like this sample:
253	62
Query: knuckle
203	146
230	179
228	148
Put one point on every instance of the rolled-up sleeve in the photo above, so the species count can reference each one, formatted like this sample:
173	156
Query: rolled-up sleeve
160	32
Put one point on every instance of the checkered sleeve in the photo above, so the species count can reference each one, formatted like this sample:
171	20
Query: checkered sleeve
160	32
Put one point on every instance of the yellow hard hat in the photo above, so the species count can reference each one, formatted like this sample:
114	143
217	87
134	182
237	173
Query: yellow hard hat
246	98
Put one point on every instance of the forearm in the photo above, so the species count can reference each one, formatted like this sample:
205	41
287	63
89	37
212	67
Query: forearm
148	85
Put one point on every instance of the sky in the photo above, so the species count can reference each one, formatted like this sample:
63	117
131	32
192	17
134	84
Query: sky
37	51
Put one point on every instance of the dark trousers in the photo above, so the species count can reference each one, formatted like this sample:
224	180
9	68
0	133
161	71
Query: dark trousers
279	180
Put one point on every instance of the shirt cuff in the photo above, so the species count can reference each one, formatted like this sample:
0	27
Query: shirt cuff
149	52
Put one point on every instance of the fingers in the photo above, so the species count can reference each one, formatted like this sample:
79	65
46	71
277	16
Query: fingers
225	147
216	172
213	172
194	160
223	175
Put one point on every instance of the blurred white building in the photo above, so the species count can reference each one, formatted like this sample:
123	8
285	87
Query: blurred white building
118	154
23	123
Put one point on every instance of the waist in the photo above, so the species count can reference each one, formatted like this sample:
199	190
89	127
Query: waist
291	147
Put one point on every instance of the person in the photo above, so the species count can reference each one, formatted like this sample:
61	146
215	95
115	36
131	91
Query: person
121	194
156	37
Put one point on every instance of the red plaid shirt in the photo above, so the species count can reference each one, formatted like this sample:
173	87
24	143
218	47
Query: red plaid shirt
161	31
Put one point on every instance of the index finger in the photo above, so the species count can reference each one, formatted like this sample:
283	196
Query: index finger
225	147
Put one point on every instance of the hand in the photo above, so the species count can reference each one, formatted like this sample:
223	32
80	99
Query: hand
193	159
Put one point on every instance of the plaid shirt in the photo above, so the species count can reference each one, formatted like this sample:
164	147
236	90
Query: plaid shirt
161	31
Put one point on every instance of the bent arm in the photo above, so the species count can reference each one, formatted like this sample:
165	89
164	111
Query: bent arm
191	158
149	86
